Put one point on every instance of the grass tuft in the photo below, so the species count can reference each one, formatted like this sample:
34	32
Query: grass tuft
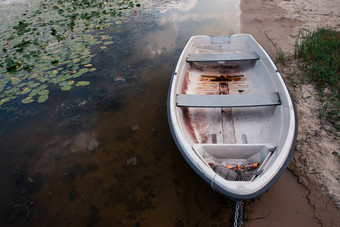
281	57
319	55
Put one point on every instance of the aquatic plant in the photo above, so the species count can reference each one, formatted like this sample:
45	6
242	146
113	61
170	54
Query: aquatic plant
52	46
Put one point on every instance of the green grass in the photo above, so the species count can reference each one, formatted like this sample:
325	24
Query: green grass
319	54
281	57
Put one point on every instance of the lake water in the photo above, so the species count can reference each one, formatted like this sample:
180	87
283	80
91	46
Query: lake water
103	154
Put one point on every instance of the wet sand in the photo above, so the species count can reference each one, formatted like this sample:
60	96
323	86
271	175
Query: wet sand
313	200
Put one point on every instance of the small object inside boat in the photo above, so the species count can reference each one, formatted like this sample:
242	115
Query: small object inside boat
237	172
239	167
226	173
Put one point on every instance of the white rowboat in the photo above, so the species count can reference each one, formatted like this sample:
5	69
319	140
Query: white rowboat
231	114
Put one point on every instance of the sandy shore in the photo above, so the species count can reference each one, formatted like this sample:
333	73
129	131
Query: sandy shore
276	24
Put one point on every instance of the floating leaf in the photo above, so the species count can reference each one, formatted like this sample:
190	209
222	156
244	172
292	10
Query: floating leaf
32	84
15	80
20	85
25	90
44	92
2	101
78	74
82	83
75	60
27	100
53	73
38	50
108	42
42	98
34	92
83	70
67	61
104	37
65	87
86	61
103	47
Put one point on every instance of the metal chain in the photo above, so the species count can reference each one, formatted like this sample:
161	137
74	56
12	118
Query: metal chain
238	217
236	214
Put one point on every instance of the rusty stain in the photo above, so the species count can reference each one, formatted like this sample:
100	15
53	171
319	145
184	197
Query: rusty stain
185	83
188	123
209	80
204	137
218	78
224	89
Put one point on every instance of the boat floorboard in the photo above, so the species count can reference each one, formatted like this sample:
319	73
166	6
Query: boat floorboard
214	125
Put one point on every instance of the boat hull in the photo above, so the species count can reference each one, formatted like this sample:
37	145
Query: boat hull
222	109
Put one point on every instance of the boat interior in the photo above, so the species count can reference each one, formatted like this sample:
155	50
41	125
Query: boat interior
230	108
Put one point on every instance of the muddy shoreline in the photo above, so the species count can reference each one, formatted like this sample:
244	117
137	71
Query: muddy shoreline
276	24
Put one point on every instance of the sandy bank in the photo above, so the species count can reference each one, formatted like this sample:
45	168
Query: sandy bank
276	24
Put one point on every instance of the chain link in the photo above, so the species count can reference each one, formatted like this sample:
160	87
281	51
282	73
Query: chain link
238	217
236	214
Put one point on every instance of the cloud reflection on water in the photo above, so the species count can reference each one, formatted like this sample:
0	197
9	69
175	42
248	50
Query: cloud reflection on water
178	20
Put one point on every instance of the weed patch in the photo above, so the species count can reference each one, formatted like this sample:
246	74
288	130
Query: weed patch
319	57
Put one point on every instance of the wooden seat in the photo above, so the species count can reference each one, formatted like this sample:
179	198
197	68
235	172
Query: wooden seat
244	56
234	100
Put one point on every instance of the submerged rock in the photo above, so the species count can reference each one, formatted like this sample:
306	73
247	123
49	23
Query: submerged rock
93	144
135	127
132	161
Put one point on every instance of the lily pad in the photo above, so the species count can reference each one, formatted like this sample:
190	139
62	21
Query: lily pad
42	98
37	51
83	70
65	87
82	83
15	80
44	92
75	60
78	74
108	42
26	90
34	92
104	37
27	100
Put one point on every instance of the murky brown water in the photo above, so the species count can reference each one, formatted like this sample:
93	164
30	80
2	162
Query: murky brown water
103	155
